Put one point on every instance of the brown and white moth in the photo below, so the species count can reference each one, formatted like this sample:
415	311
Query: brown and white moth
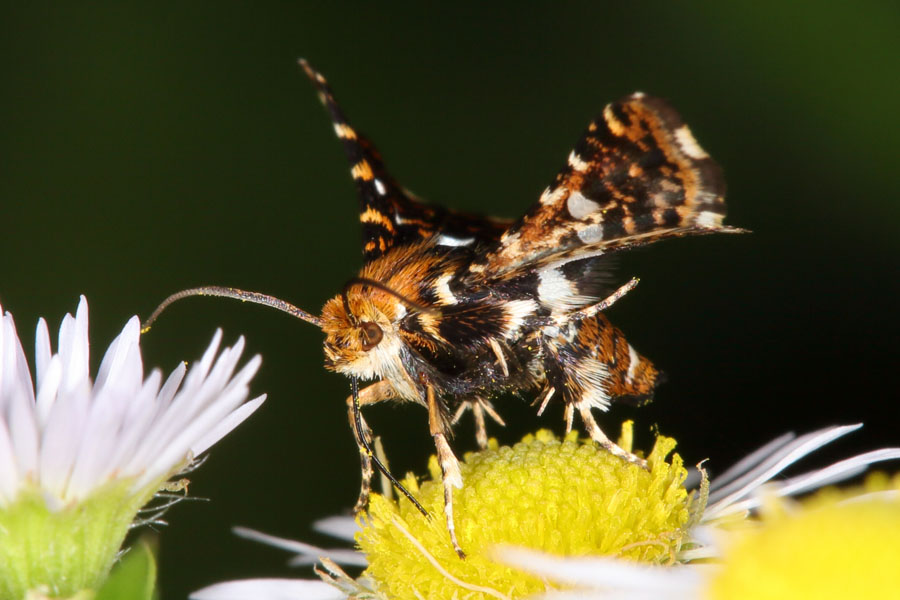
451	309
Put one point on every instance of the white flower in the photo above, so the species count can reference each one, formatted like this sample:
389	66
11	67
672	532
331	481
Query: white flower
69	444
733	495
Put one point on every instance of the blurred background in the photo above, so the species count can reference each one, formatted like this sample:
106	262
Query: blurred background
145	149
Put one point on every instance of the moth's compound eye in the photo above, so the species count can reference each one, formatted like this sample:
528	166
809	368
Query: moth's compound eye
371	334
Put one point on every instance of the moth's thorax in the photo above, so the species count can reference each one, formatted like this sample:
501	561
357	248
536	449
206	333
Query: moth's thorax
350	347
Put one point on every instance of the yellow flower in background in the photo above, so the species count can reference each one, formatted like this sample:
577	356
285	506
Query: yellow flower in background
835	545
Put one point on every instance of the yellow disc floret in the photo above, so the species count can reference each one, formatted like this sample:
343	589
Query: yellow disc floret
565	497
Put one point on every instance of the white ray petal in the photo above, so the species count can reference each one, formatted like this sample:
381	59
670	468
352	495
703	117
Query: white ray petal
73	436
307	554
744	465
342	528
604	573
268	589
766	470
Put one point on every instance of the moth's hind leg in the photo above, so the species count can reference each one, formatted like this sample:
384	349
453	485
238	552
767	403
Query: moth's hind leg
372	394
479	408
593	430
589	364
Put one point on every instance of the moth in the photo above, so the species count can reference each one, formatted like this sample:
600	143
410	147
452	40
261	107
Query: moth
451	309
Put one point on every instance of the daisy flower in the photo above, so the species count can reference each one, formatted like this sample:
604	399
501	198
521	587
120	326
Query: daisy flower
79	458
555	517
835	545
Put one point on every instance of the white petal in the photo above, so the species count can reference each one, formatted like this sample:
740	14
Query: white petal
837	472
17	398
307	554
225	426
720	502
121	367
342	528
49	379
9	472
269	589
747	463
199	416
607	573
60	439
42	351
73	436
74	350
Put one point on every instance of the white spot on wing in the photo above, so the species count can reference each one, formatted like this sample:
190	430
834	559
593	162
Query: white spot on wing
633	360
379	187
509	238
344	131
516	313
551	197
449	240
688	144
557	292
591	234
442	287
707	218
576	163
579	206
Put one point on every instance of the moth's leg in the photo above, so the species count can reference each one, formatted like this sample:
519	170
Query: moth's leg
498	352
544	399
480	429
569	417
594	309
598	436
372	394
450	474
479	408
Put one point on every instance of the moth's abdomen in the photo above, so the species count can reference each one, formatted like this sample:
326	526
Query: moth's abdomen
589	362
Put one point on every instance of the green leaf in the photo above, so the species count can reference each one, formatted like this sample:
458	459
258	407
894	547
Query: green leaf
134	578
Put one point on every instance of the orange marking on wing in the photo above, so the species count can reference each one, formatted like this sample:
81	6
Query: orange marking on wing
362	170
344	131
615	125
374	216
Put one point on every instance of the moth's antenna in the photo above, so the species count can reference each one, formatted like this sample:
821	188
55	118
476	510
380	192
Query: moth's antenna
237	294
361	438
414	306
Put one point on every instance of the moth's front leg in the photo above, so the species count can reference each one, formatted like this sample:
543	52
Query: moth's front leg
450	475
371	394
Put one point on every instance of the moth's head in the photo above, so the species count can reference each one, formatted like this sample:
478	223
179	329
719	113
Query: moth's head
361	328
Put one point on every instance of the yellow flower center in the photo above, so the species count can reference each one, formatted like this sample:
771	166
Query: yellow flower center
823	549
565	497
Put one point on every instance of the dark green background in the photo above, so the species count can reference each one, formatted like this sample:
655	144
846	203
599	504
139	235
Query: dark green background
144	149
